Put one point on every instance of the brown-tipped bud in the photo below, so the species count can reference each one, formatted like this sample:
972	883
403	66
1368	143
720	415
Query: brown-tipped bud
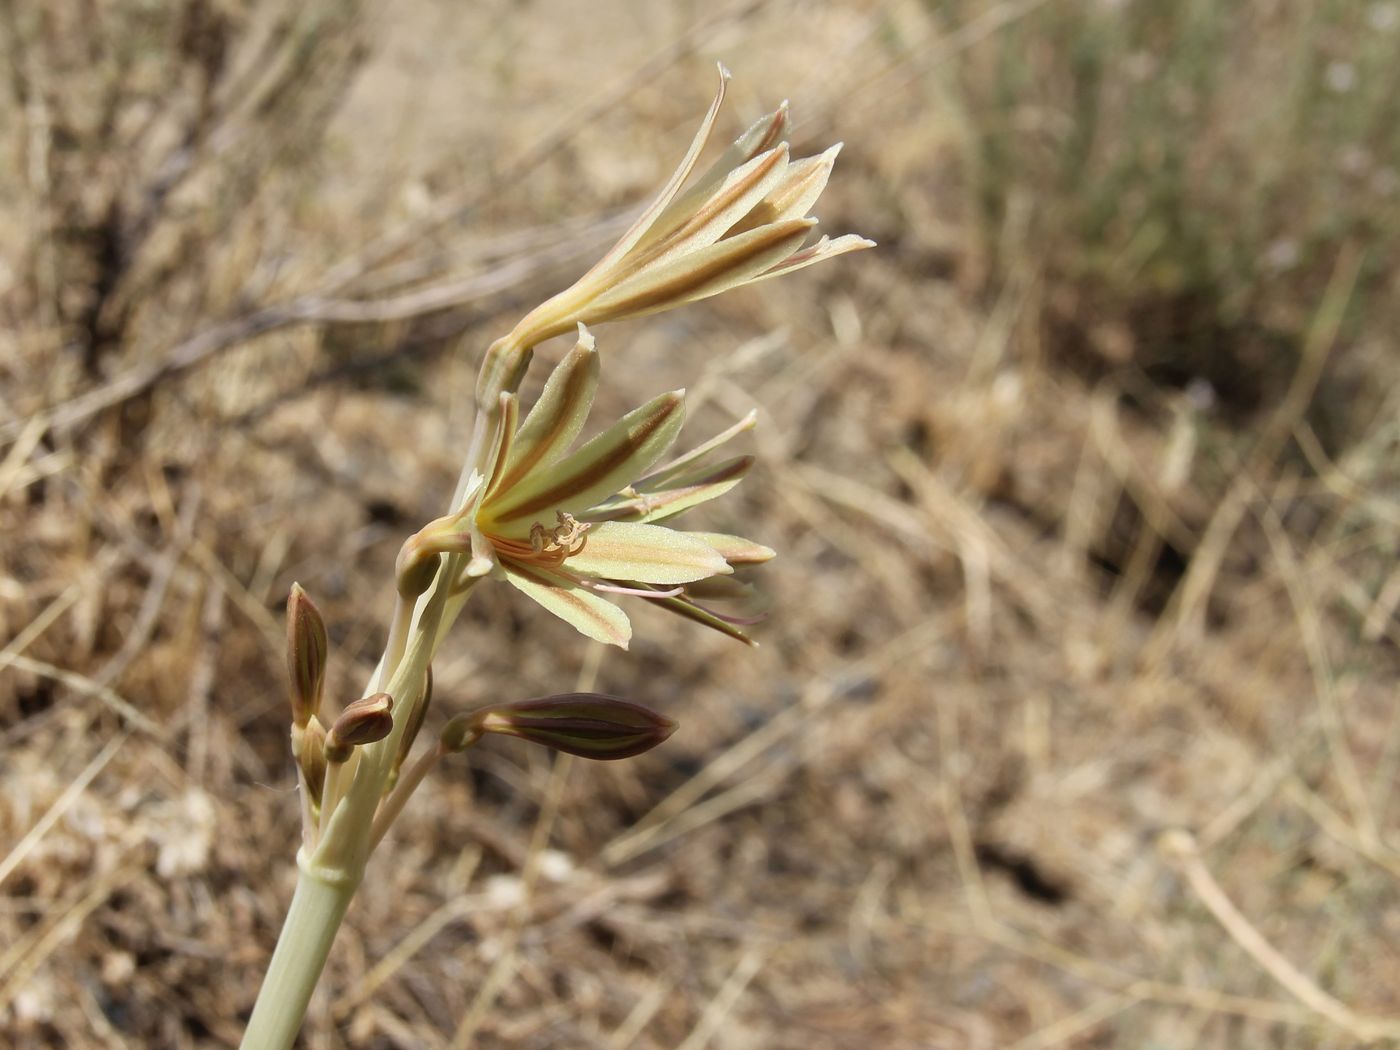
365	721
589	725
420	712
306	655
310	747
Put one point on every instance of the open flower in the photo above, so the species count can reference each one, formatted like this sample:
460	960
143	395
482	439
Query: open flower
744	220
571	528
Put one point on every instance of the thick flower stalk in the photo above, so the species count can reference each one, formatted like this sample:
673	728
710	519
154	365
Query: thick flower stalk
574	527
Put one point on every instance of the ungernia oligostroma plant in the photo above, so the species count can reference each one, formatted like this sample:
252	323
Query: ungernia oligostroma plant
570	527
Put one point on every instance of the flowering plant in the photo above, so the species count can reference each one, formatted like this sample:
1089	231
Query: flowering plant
571	528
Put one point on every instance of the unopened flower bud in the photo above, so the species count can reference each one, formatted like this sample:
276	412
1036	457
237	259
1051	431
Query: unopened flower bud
415	568
589	725
363	722
309	744
306	655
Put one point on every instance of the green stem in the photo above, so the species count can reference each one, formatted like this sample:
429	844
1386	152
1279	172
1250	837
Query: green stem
394	802
318	906
331	872
329	876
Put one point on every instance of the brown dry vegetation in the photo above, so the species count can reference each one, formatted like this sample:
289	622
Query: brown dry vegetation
1085	487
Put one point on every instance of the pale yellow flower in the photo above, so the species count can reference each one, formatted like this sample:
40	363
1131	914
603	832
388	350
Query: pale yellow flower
572	529
744	220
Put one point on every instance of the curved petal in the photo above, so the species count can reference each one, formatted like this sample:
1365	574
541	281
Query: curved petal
735	549
624	550
599	468
691	611
736	196
661	477
557	417
501	442
586	612
794	195
763	134
726	264
657	207
646	502
824	249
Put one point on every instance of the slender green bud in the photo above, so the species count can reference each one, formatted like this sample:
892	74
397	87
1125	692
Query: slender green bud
306	655
589	725
363	722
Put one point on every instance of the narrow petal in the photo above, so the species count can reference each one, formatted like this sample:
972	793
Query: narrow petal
736	196
557	417
588	613
762	135
668	192
629	551
691	611
600	467
505	436
735	549
825	248
793	197
656	502
661	478
731	262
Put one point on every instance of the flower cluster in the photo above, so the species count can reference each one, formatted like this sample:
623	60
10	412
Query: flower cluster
571	525
744	220
568	528
571	528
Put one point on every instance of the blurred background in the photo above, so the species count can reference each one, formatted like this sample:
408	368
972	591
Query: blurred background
1074	723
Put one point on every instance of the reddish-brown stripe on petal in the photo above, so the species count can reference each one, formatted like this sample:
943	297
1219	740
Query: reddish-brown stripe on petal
575	389
713	208
560	494
686	278
586	612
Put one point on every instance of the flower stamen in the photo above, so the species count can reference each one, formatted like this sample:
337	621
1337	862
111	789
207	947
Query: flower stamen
547	547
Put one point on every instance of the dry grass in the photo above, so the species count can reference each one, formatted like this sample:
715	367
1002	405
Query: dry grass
1085	485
